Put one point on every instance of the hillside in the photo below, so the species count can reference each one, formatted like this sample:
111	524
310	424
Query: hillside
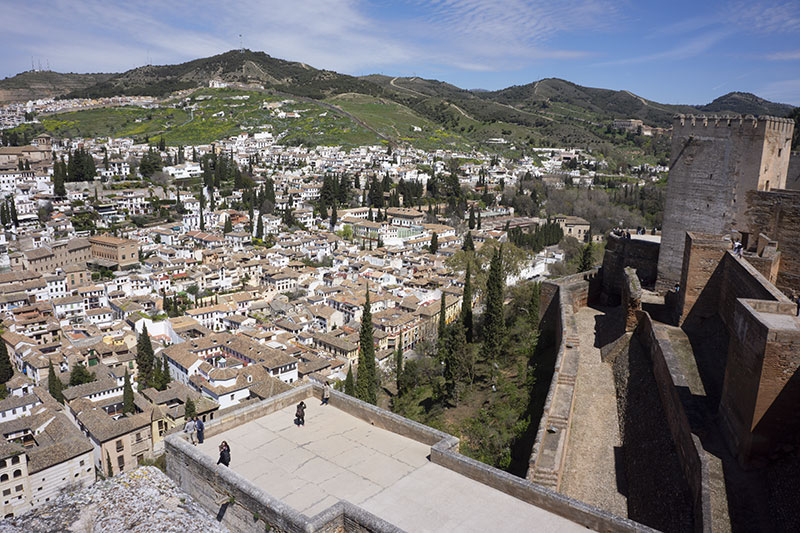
548	112
237	66
746	103
33	85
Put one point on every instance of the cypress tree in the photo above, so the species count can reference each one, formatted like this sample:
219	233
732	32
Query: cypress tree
260	228
109	466
469	245
228	225
334	216
442	322
349	384
494	328
586	261
189	410
6	370
466	304
166	378
127	395
533	306
472	217
398	362
366	385
144	359
434	243
54	384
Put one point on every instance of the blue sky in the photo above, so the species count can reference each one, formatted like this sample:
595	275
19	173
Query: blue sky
672	51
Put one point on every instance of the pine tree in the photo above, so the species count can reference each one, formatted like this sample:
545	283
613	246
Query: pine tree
127	395
494	323
54	384
80	375
6	370
144	359
466	304
398	362
366	385
349	384
189	410
228	225
434	243
586	261
109	466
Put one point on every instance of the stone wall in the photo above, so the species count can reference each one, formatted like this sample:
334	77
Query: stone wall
674	395
631	298
793	174
714	162
777	215
243	507
621	253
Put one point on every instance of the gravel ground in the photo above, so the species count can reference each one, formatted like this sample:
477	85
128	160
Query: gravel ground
144	500
590	469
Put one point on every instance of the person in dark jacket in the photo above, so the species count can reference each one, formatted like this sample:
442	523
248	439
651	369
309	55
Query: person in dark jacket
200	427
301	414
224	454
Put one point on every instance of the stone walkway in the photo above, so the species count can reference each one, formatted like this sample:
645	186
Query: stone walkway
339	457
589	469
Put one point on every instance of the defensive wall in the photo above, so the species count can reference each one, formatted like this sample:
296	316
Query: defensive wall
777	215
243	507
559	299
715	161
793	174
641	255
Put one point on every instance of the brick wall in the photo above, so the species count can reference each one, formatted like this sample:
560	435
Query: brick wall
777	215
620	253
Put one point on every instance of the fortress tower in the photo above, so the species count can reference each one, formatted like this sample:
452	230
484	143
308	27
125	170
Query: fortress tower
715	161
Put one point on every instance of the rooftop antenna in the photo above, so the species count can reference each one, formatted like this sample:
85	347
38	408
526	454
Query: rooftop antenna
148	57
33	67
241	44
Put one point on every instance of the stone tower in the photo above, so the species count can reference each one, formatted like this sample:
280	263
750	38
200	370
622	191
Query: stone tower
714	162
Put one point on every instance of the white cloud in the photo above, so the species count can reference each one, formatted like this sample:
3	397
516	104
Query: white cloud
690	48
765	16
784	56
784	91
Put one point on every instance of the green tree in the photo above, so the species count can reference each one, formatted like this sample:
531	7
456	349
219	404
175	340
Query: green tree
349	384
366	384
469	245
434	243
466	304
494	322
6	369
472	217
189	410
442	327
533	306
144	359
109	466
59	177
228	225
398	362
127	395
334	216
166	378
80	375
587	261
260	228
54	385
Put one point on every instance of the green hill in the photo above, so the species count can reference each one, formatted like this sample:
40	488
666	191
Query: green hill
33	85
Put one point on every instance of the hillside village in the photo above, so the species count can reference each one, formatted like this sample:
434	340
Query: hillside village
235	305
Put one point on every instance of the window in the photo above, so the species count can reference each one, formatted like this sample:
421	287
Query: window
121	462
6	492
82	462
120	446
18	488
17	473
15	460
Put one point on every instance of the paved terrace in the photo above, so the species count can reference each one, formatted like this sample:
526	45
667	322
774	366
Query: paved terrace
336	456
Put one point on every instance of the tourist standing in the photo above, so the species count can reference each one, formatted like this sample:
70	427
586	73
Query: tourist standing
200	427
191	429
300	414
326	393
224	454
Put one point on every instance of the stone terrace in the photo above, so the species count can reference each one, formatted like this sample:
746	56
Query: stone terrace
336	456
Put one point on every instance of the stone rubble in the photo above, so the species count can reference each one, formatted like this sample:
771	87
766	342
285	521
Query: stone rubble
144	500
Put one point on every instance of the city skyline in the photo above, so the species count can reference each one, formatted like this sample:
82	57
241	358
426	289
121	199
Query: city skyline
683	53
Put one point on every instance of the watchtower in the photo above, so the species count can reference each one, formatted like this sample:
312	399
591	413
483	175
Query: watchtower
714	162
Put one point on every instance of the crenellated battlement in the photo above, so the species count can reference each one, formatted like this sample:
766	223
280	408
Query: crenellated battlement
768	123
